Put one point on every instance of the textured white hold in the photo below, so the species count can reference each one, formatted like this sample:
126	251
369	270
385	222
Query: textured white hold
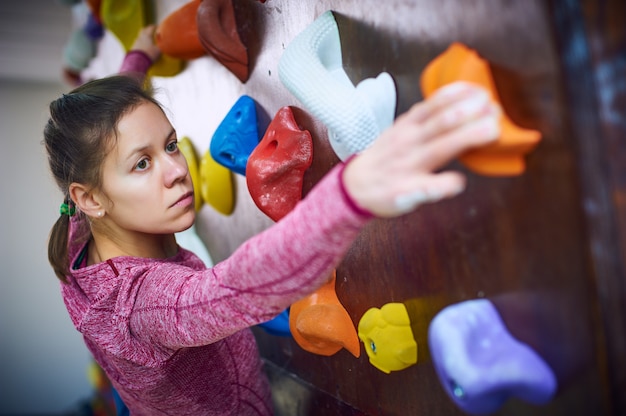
311	68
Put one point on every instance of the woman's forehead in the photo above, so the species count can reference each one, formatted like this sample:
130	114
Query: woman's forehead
143	126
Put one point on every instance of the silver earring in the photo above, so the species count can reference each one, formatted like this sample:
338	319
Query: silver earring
99	214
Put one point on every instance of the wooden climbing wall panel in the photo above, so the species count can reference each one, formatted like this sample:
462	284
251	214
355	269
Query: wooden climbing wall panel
546	247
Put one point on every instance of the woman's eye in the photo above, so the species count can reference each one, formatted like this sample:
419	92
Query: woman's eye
171	147
142	165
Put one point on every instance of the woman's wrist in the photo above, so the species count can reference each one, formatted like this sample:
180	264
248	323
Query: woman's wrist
136	61
346	193
142	53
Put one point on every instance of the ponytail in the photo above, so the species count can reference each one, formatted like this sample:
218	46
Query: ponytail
57	247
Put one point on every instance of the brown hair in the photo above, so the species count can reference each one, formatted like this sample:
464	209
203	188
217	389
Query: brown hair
77	138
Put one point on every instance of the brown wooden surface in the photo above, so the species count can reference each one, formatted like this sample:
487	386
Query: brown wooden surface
548	247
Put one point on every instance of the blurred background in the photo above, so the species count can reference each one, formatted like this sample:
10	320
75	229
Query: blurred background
43	362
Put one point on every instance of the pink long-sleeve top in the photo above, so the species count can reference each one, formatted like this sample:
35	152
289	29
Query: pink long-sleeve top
173	336
136	63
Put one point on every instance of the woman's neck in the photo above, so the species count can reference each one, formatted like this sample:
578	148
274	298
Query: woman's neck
104	247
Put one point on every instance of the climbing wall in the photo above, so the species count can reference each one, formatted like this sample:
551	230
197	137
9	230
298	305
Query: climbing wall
521	242
546	247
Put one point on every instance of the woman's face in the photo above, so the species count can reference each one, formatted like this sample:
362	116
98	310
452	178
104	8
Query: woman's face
146	182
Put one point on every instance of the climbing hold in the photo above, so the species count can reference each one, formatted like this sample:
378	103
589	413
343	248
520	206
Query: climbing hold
388	338
276	167
177	34
78	51
216	185
505	157
480	364
219	36
125	18
312	70
187	149
236	136
279	325
320	324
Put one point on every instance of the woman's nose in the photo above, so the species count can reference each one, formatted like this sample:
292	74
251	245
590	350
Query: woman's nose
175	169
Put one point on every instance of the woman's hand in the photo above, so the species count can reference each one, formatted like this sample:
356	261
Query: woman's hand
397	173
145	42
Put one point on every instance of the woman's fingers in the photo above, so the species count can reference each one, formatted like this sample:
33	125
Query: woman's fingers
421	111
442	99
430	145
471	107
476	133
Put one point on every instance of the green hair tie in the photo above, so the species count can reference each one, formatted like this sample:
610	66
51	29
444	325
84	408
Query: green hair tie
67	209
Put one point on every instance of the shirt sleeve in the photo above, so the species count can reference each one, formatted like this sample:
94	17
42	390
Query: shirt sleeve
135	63
177	307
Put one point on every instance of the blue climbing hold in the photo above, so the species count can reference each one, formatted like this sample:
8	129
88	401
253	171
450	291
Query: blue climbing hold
236	136
279	325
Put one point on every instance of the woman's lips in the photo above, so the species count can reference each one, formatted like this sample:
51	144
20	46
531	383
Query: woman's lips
184	200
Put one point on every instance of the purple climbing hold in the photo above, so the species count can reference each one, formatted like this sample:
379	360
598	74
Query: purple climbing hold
480	364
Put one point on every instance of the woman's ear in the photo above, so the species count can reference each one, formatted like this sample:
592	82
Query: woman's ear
86	200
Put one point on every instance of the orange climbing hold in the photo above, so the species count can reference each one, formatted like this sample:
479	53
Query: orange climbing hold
177	34
505	157
320	324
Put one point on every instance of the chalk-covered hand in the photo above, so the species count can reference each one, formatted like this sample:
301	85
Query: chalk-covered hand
399	171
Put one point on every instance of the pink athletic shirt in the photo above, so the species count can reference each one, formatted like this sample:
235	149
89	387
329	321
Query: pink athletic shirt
135	62
173	336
